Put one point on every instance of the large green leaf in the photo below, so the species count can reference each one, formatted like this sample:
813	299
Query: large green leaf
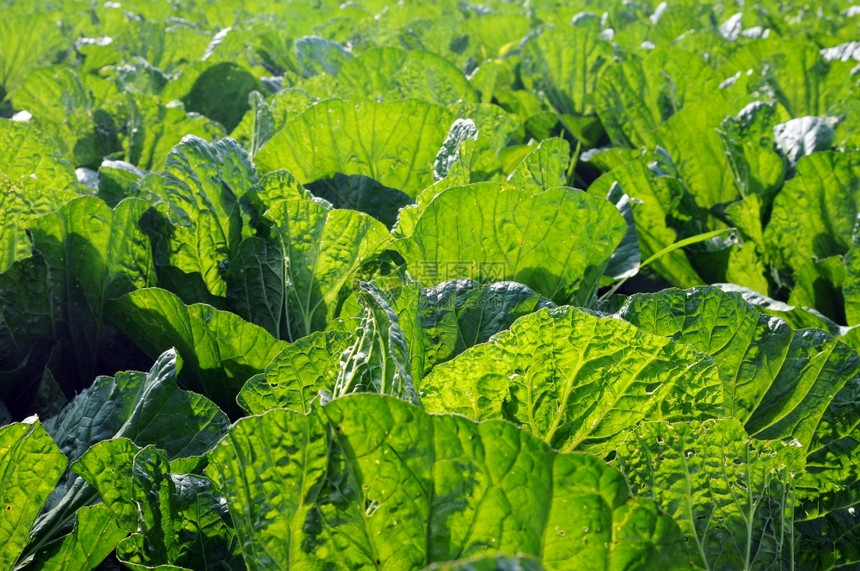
392	142
95	535
764	364
373	482
392	73
692	138
182	520
781	383
219	349
155	128
544	167
93	254
664	212
29	40
573	379
134	408
733	496
145	407
201	224
377	361
566	62
290	284
814	214
489	232
636	96
32	464
297	375
32	155
749	139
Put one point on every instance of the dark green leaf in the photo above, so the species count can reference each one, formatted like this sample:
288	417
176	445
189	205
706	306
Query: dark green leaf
220	350
221	93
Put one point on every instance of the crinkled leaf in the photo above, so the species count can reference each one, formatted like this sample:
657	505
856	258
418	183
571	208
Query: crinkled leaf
203	227
378	360
765	365
296	376
181	520
814	214
220	350
545	167
489	232
393	142
290	284
566	62
106	470
375	482
28	153
148	408
461	130
95	535
94	254
103	427
573	379
32	464
732	496
392	73
156	128
783	384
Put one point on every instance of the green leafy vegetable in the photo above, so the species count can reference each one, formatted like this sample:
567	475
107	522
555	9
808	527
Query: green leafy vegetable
492	233
372	481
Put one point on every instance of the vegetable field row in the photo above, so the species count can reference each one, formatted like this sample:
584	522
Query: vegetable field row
512	285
